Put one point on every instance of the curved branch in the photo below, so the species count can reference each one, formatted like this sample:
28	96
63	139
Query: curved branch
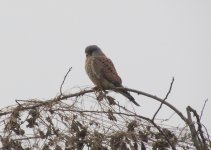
81	93
160	100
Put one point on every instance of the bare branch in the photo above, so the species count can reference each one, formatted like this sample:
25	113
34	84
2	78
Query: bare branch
78	119
193	130
197	141
164	99
63	97
160	100
203	108
64	80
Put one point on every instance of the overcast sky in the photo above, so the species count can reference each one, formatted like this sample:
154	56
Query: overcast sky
149	41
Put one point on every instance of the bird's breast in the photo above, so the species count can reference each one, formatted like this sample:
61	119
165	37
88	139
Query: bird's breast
90	72
96	76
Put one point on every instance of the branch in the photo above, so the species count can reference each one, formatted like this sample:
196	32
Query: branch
156	126
203	108
47	102
64	80
125	114
160	100
193	130
63	97
164	99
33	104
197	141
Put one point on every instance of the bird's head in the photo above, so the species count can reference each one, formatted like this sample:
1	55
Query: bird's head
93	50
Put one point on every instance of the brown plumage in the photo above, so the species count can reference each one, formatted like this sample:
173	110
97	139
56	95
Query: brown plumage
102	72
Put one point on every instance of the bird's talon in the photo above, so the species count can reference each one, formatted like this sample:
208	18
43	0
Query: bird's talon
97	89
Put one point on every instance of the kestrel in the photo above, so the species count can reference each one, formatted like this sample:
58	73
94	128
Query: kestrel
102	72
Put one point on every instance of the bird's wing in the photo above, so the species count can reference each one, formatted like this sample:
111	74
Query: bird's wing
103	67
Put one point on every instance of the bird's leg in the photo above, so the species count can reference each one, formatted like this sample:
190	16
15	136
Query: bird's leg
100	92
97	88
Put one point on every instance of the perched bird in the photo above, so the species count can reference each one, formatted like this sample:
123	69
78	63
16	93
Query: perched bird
102	72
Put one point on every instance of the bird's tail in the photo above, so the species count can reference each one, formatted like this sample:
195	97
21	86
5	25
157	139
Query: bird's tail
127	94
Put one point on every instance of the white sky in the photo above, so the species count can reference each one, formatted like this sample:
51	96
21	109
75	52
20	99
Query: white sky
149	42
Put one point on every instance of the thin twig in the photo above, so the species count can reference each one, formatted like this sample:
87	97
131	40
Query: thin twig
18	102
160	100
167	119
64	80
203	108
164	99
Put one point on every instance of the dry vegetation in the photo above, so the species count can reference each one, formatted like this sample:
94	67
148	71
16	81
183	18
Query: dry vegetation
94	120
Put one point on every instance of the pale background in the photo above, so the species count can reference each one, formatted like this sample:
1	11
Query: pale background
149	42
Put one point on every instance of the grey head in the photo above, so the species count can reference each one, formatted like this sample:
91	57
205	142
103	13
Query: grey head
93	50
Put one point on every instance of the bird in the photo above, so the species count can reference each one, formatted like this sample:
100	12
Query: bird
101	71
